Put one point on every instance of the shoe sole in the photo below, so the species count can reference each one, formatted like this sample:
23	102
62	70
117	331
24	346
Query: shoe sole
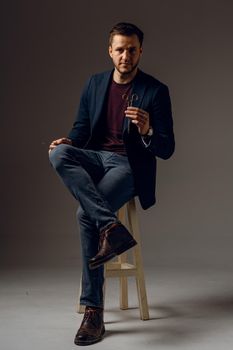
118	251
89	342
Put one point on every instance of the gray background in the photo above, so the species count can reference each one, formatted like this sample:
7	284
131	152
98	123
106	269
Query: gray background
49	49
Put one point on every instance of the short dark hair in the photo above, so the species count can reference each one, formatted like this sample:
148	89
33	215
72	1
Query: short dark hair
126	29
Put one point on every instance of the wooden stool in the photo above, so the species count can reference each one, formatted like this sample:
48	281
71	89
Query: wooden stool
122	268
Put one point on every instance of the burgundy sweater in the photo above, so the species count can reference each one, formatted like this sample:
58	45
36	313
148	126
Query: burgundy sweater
114	118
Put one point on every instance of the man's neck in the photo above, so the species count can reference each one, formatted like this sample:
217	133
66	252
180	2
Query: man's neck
124	78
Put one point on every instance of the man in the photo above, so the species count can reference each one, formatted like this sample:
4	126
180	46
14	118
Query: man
124	122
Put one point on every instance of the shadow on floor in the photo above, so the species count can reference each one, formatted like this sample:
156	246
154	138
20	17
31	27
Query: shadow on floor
185	320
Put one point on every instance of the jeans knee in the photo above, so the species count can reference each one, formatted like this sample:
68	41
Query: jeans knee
56	156
82	218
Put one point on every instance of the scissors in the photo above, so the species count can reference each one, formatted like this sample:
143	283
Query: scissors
130	99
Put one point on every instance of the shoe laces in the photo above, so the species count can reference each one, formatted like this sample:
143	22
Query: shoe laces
90	314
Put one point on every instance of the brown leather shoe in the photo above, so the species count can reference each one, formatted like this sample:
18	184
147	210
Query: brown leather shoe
92	327
115	240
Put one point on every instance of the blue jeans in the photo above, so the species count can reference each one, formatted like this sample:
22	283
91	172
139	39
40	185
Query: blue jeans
102	182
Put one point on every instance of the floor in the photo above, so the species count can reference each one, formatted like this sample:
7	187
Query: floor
189	309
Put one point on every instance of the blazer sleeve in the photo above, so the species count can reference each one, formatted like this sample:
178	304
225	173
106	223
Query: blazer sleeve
81	129
162	143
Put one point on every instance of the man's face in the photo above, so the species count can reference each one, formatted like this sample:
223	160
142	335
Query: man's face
125	52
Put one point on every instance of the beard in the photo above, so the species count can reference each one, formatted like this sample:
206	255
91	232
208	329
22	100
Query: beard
127	72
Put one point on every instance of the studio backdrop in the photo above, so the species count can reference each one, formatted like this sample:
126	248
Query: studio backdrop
50	48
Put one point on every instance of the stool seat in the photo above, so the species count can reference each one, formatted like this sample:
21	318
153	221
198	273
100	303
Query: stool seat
122	268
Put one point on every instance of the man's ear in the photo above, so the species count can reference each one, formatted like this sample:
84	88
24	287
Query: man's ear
110	51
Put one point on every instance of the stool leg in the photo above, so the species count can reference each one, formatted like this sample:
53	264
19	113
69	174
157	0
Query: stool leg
122	259
80	308
137	256
123	285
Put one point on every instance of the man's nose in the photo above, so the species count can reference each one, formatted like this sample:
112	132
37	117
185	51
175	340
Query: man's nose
125	55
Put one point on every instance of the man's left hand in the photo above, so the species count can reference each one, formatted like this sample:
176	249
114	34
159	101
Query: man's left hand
140	118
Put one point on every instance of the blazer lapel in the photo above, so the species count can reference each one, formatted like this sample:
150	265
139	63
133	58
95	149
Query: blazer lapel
100	95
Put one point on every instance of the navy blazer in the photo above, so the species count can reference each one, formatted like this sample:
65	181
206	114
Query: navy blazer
153	97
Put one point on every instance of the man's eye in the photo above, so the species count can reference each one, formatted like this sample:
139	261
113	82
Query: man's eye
133	50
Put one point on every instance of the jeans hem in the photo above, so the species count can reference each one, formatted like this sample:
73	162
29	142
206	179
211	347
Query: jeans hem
87	303
109	224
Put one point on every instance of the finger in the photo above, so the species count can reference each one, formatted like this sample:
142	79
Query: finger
55	142
136	115
131	116
139	113
52	146
133	111
68	142
142	120
131	108
59	141
136	109
138	123
51	149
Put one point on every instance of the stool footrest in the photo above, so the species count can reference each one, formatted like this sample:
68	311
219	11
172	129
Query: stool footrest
124	270
119	266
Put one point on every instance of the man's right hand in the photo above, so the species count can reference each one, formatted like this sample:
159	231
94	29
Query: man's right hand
57	142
